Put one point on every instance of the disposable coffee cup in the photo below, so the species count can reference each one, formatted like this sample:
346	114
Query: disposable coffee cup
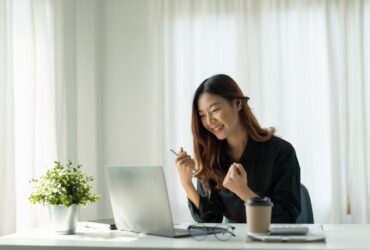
258	212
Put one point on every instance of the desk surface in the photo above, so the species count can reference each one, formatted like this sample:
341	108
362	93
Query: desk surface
339	236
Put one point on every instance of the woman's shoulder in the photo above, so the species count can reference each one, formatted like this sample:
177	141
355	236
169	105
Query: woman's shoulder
276	143
280	141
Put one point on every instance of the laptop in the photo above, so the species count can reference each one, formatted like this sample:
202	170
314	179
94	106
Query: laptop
140	201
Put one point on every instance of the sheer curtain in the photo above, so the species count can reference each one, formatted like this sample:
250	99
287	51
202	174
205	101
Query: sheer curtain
28	142
304	65
348	25
48	100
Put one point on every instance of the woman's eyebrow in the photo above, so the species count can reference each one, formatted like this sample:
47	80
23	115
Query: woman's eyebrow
213	104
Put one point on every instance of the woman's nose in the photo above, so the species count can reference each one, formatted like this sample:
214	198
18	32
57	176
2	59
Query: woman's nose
210	119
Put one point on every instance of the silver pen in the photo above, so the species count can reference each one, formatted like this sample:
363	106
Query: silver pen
173	151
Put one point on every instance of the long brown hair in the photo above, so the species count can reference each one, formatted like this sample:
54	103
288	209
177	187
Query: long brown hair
207	148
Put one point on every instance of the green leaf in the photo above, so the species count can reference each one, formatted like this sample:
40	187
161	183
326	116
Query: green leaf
63	184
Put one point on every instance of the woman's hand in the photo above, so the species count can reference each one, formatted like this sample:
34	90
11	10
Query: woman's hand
185	165
236	180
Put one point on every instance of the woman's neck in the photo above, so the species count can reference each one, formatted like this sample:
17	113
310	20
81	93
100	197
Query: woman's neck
236	143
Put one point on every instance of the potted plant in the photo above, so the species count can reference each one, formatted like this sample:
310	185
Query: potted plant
63	188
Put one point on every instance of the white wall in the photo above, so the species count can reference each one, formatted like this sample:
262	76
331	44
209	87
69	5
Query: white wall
112	112
131	114
129	104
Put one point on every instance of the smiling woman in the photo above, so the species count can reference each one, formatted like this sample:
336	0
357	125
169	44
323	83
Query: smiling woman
237	159
304	65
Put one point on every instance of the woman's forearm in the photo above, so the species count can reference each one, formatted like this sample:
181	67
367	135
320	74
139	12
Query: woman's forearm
192	194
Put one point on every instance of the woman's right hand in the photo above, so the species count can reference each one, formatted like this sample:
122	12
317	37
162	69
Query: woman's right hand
185	165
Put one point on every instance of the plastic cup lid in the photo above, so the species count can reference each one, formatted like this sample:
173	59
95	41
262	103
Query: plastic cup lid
259	201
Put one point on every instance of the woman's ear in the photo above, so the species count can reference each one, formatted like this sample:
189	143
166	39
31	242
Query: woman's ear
239	104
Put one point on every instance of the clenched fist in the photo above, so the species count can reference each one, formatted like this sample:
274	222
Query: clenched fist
236	180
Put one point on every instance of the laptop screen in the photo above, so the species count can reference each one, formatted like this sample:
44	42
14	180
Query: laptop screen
139	199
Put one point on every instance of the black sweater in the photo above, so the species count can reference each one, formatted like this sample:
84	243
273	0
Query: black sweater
273	171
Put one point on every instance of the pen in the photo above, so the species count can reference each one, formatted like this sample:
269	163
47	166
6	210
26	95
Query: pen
173	151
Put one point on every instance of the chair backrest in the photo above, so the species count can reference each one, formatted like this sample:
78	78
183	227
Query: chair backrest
306	216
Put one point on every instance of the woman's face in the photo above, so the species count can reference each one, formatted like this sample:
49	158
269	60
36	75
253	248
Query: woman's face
218	115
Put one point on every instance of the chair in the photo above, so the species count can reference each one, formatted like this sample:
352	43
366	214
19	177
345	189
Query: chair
306	216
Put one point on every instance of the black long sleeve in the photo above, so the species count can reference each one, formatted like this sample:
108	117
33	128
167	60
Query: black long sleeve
210	210
286	187
273	171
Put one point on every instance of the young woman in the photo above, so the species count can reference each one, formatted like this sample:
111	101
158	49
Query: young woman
235	159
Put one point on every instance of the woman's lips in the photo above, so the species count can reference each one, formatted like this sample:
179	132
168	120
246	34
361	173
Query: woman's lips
217	129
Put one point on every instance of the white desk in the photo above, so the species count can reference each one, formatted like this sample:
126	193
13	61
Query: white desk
348	236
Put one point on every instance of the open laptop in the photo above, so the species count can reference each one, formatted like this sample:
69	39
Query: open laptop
140	201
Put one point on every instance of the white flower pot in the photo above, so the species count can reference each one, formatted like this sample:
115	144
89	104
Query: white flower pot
64	219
